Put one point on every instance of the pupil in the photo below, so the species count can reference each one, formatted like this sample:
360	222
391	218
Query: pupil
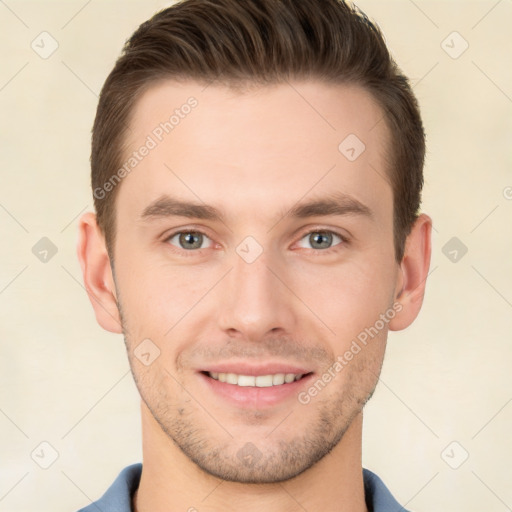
317	237
190	240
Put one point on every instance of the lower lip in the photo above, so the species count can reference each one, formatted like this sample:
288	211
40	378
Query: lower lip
252	396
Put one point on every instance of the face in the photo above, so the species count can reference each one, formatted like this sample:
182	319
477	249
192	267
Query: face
251	247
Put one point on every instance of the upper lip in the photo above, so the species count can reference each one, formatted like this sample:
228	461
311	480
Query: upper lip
255	370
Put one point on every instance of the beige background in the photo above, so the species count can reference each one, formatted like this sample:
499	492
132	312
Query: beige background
66	382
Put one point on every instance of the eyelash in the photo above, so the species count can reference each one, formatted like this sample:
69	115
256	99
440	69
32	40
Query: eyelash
316	252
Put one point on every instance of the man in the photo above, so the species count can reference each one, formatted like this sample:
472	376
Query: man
257	171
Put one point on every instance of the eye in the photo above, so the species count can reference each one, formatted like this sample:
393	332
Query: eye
321	239
189	240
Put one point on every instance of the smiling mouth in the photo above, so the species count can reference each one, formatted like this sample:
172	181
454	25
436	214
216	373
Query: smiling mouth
259	381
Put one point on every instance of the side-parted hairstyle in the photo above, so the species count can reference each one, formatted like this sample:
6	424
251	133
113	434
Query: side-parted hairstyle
262	42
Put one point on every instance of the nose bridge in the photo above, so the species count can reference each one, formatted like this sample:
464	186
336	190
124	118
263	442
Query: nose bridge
254	301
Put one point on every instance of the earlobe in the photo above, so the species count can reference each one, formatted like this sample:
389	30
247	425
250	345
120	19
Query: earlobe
413	273
97	273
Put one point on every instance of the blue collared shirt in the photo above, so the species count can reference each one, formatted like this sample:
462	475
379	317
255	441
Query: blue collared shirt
118	497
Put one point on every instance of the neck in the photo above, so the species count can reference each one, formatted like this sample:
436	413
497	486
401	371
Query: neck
171	481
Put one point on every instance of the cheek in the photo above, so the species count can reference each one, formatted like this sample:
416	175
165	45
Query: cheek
348	297
156	296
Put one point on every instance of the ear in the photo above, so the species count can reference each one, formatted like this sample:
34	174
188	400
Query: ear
413	273
97	273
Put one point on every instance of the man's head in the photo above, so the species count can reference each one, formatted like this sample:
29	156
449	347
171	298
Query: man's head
271	228
259	42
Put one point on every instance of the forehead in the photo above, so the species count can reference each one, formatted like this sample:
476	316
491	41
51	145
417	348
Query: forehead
242	151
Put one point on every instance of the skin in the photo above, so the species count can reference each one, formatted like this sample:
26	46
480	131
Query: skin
254	155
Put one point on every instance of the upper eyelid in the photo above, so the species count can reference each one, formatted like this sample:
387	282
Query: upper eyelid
191	229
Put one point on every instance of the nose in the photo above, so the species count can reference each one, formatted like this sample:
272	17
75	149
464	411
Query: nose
255	299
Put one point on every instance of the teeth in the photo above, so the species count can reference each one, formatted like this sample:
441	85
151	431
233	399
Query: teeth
261	381
244	380
264	381
231	378
277	379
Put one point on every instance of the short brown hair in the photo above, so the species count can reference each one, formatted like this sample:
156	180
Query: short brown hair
230	42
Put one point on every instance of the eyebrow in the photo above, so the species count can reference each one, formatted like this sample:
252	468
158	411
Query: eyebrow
335	204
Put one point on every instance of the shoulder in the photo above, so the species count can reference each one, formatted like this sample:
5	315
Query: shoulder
118	496
377	495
